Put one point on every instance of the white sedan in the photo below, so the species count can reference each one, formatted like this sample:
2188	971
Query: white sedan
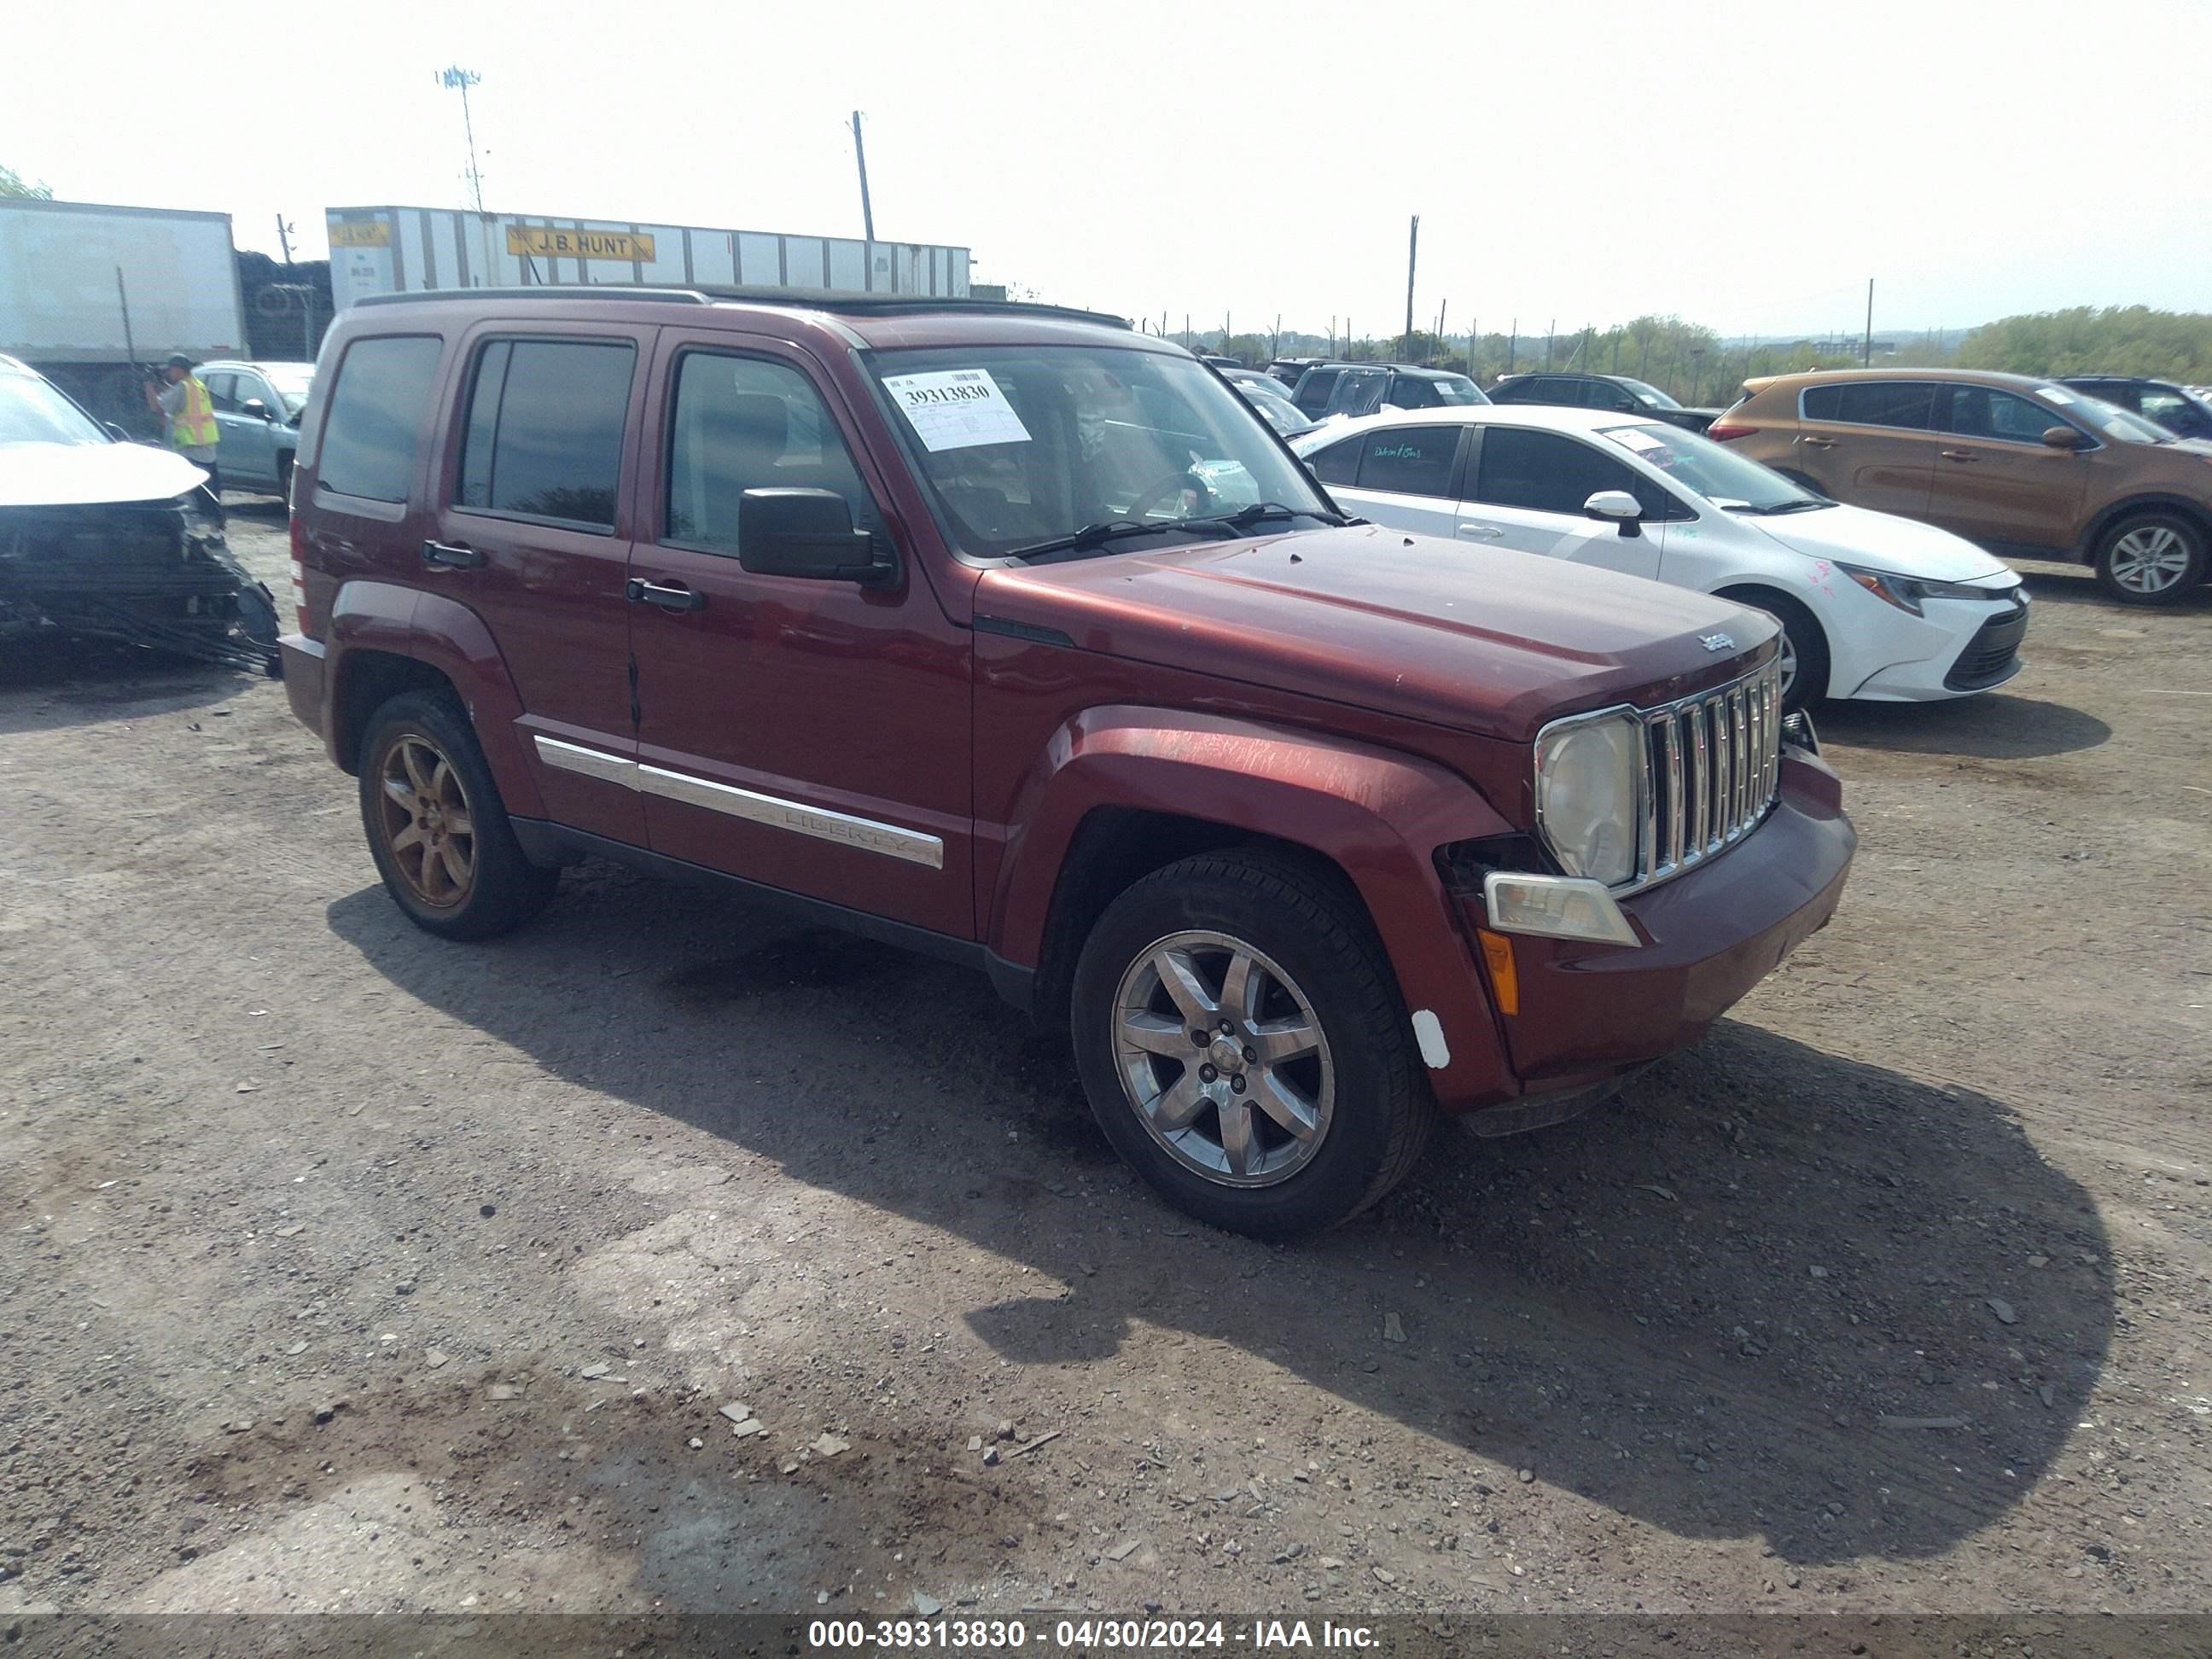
1872	606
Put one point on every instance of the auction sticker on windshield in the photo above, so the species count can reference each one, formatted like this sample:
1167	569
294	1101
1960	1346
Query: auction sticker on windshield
957	408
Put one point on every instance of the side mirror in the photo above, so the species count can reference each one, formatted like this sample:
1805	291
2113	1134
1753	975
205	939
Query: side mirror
1618	505
2064	437
256	408
809	532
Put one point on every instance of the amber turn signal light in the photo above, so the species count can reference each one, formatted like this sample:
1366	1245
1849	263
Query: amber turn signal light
1498	957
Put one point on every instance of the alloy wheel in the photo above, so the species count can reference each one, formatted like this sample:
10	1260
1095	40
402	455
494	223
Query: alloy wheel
2149	559
426	821
1222	1059
1788	660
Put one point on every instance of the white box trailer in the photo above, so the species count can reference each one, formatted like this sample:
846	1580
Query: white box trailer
413	250
59	305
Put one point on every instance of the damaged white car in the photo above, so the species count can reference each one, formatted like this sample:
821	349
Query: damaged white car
104	538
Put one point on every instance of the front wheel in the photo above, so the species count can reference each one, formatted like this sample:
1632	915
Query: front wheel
2150	558
1242	1041
1804	646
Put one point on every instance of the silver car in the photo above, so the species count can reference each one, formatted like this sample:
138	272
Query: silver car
257	409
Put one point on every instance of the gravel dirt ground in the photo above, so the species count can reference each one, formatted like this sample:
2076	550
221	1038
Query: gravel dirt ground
347	1269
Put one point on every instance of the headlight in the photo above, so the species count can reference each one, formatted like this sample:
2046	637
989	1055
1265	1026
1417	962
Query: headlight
1906	592
1586	783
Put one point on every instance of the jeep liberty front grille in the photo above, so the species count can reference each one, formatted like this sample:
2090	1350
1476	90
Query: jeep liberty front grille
1711	765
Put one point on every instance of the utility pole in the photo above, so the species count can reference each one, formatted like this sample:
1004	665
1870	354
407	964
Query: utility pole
284	238
1551	332
1866	353
1512	345
860	155
454	78
1443	305
1412	253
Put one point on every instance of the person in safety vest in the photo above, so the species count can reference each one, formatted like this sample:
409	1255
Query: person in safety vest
184	404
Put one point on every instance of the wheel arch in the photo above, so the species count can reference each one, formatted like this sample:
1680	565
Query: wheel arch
2102	525
1756	590
1122	791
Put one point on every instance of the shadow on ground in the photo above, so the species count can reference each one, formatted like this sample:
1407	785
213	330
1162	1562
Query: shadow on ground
1996	725
2055	583
1695	1308
52	680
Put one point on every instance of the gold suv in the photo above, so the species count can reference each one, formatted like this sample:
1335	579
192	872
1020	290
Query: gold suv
2023	466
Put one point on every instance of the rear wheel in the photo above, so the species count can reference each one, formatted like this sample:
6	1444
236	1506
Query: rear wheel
436	827
2150	558
1242	1045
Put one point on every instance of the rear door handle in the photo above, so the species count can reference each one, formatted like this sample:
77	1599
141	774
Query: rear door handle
1818	443
668	596
1480	533
1958	455
457	559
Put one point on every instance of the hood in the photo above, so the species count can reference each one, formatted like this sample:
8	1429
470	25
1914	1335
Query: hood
87	475
1472	639
1880	541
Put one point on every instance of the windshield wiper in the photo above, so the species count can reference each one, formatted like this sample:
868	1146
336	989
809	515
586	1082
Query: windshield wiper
1260	510
1795	504
1092	536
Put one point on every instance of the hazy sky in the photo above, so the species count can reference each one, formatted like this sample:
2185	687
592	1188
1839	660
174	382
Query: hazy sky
1747	166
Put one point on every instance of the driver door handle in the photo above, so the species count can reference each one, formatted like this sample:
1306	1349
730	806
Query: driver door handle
454	558
1480	533
668	596
1958	455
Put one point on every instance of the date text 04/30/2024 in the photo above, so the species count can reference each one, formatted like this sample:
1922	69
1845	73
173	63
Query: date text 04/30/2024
1084	1635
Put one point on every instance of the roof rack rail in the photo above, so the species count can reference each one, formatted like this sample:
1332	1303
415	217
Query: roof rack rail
862	305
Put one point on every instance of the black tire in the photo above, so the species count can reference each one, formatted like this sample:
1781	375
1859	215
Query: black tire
1313	928
256	616
1807	640
504	889
284	479
2185	530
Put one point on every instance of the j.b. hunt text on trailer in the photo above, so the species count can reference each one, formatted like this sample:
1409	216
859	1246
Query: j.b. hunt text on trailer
411	250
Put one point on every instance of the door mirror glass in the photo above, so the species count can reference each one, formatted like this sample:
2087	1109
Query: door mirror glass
808	532
2064	437
256	408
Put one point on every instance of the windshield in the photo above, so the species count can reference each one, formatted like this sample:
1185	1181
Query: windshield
1458	389
32	412
1027	443
1651	394
1274	406
1708	468
291	381
2107	420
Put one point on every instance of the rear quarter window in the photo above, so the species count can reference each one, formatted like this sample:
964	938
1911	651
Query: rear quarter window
1339	463
380	406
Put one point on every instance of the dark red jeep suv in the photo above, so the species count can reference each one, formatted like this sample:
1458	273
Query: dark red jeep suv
1008	634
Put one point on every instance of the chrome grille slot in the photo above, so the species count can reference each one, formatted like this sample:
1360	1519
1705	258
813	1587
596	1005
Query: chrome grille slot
1710	766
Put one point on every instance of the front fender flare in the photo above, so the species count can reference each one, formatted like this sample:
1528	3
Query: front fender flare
1377	814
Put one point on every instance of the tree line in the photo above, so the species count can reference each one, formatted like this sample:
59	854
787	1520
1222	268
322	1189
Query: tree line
1694	364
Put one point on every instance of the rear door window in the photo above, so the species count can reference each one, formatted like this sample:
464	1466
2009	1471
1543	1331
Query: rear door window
1313	389
220	393
379	407
1410	460
545	430
747	423
1358	391
1907	403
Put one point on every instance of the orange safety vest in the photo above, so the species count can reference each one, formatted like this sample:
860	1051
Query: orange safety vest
193	426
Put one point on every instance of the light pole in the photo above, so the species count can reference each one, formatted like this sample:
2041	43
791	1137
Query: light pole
454	78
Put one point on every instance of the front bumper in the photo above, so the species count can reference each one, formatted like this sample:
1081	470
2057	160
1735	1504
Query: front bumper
1979	651
1589	1011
